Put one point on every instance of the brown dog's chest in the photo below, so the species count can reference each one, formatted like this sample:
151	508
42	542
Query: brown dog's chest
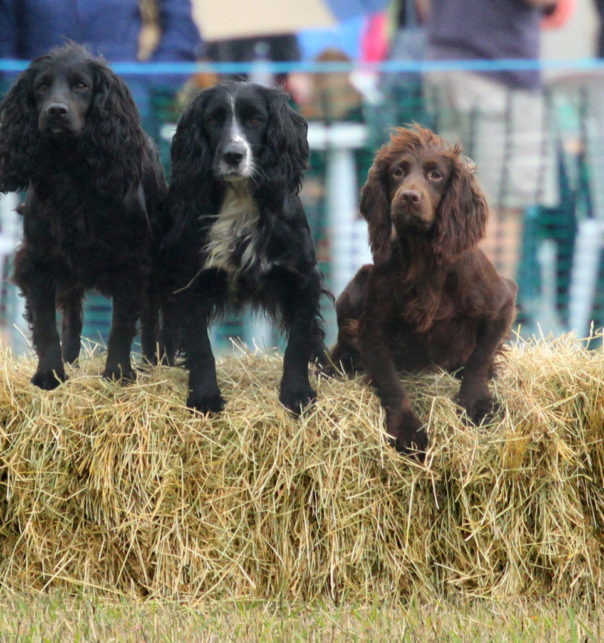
446	344
421	306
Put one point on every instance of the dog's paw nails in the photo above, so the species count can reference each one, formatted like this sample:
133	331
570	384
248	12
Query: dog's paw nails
413	445
206	403
297	400
119	374
484	413
48	380
407	435
480	411
326	368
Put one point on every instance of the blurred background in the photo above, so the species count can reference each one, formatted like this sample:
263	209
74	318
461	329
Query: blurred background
519	83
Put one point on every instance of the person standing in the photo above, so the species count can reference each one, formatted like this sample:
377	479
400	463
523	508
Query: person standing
498	115
109	28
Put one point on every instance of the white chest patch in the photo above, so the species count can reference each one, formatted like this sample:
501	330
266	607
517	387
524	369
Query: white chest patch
233	236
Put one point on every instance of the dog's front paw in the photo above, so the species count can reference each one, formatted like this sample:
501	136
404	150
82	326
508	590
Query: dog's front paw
408	436
70	351
474	396
122	374
327	368
48	380
480	410
206	403
298	398
341	361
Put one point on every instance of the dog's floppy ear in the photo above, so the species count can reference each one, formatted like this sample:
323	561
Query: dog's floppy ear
462	214
115	133
286	141
19	134
191	183
375	207
190	154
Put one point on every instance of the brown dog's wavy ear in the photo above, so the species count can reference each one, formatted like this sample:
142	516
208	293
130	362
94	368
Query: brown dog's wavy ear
375	207
462	214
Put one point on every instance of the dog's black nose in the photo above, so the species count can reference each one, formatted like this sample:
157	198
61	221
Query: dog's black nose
411	196
233	156
57	110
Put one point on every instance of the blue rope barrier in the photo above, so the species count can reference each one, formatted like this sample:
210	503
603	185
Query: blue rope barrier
389	66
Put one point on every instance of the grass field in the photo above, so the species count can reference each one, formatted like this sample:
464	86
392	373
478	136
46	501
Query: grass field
59	617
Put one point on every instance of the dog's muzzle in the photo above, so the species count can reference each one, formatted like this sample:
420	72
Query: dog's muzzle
410	207
56	120
234	161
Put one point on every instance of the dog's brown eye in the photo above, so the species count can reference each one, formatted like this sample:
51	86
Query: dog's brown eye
42	88
253	120
397	172
79	86
435	175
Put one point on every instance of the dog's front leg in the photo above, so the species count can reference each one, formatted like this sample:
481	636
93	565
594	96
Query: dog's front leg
127	307
300	309
150	327
402	424
474	393
170	334
295	391
204	395
40	293
71	325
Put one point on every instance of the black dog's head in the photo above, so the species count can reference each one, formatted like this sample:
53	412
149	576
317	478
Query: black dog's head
68	105
63	87
241	131
235	119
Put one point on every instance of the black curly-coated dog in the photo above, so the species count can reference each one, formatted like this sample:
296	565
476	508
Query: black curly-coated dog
240	233
70	134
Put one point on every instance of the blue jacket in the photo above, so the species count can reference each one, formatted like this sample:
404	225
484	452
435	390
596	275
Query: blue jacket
29	28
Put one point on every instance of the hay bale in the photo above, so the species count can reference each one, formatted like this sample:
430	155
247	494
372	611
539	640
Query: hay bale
123	490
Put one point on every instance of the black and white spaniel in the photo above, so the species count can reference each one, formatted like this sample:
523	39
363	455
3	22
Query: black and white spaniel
240	233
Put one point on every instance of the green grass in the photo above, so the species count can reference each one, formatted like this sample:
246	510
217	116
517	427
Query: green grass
59	617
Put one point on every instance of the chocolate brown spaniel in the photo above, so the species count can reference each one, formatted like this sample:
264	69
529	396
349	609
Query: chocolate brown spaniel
431	297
